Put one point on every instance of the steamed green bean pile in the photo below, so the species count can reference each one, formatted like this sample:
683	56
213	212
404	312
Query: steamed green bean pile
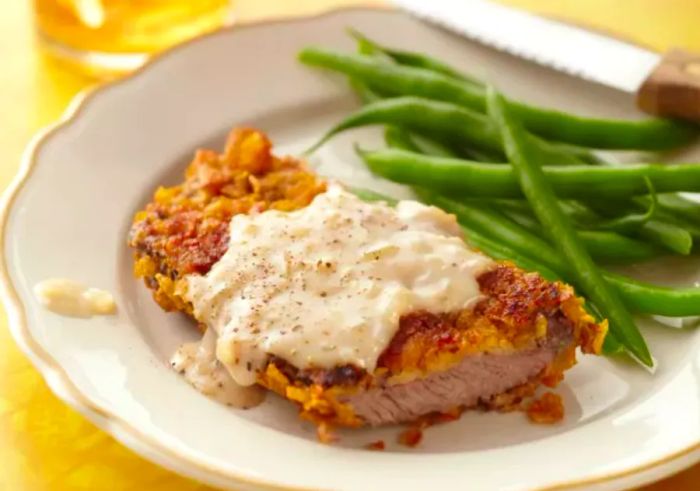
526	183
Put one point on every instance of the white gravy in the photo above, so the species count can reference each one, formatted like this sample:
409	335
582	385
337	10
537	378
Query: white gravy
73	299
326	285
197	362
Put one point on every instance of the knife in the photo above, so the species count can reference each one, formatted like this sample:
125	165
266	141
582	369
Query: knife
665	85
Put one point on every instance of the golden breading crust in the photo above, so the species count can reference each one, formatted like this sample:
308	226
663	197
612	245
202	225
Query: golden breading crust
184	230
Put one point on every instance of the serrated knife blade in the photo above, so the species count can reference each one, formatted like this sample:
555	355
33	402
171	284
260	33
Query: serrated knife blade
563	47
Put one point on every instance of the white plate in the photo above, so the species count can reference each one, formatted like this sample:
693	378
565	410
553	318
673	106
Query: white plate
68	213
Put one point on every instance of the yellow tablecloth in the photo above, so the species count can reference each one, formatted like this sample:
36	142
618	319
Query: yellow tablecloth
44	445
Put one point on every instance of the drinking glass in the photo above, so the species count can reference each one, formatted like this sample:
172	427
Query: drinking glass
119	35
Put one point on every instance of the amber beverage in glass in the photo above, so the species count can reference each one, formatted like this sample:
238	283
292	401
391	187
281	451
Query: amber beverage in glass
119	35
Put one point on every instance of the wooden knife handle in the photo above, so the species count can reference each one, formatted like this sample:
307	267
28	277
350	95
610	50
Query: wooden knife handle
673	88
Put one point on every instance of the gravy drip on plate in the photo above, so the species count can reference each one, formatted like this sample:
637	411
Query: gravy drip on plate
327	284
197	362
73	299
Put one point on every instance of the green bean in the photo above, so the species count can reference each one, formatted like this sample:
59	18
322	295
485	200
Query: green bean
676	224
544	204
365	94
366	47
585	218
670	218
442	120
520	211
669	235
408	58
430	146
586	155
605	246
402	139
477	155
423	115
661	231
681	206
658	300
498	251
691	226
657	224
522	217
398	138
611	345
613	248
649	134
582	216
371	196
473	179
631	221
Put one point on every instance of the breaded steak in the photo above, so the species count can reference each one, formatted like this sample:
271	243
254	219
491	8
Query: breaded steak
523	332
